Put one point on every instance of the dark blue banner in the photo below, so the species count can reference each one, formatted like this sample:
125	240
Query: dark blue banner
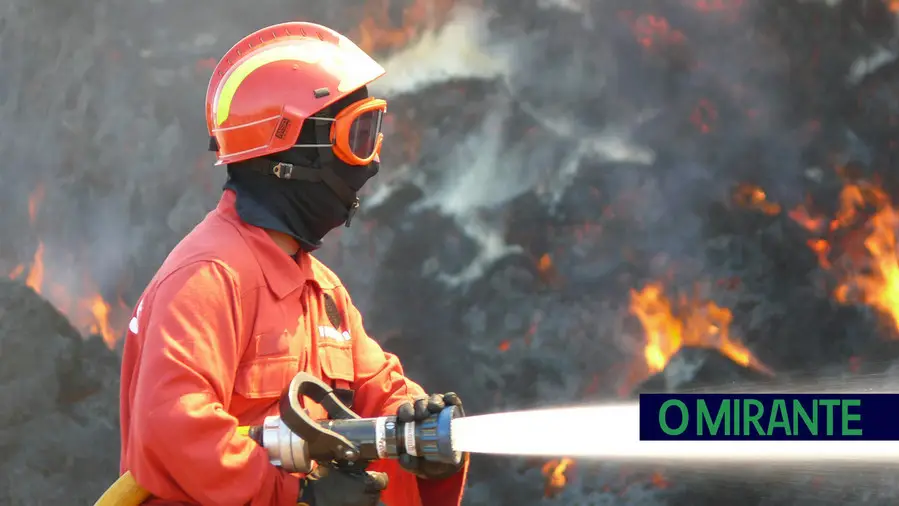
800	417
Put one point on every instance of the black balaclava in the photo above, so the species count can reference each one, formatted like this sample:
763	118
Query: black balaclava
303	209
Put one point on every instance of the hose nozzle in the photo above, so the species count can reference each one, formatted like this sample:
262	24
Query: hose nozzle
294	441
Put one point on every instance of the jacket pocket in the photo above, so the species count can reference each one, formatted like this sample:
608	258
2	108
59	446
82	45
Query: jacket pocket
265	377
337	361
271	343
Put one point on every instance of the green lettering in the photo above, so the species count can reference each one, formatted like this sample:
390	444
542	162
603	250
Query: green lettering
811	423
663	422
705	417
779	418
750	418
736	411
829	404
850	417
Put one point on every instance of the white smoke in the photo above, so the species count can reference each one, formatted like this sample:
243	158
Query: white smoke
458	50
486	171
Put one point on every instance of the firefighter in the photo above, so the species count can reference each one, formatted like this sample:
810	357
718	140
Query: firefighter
240	305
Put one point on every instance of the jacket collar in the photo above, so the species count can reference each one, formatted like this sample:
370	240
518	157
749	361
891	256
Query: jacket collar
283	273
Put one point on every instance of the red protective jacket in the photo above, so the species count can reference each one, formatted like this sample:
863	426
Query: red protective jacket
218	334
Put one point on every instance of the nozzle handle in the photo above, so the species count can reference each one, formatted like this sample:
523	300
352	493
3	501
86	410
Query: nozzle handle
324	444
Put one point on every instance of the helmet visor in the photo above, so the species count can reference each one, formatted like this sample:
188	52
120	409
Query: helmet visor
364	133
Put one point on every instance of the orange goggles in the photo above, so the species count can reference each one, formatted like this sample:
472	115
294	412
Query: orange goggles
356	136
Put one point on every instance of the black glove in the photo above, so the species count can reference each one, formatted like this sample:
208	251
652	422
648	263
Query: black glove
420	410
333	487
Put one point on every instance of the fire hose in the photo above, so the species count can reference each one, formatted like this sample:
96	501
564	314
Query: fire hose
296	443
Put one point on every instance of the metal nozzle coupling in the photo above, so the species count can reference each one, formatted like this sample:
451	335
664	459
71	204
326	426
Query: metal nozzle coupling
433	438
285	449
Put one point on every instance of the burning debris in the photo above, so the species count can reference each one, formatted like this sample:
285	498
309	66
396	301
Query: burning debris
865	260
689	323
556	478
857	245
87	310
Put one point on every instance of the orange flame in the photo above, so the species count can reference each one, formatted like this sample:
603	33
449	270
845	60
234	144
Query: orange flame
378	32
805	219
693	323
16	271
753	197
871	275
35	277
90	315
555	472
546	270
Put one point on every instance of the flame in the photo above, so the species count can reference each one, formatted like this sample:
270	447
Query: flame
35	277
16	271
378	33
546	270
693	323
805	219
91	314
556	479
868	269
893	6
753	197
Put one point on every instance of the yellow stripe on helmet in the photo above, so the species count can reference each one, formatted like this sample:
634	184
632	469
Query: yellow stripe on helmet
345	61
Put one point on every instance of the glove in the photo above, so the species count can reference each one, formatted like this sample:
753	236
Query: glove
333	487
420	410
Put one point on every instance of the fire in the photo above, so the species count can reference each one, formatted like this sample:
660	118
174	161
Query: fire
90	314
35	277
546	270
378	32
691	323
555	471
16	271
867	269
805	219
893	6
753	197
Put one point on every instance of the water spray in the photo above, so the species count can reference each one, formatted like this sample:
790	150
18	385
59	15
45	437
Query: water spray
611	433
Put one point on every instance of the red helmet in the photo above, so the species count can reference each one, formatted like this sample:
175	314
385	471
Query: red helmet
273	80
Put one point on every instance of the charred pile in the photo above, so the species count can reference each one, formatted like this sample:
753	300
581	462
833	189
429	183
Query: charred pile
59	396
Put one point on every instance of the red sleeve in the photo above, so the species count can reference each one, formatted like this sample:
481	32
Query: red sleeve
185	444
381	387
